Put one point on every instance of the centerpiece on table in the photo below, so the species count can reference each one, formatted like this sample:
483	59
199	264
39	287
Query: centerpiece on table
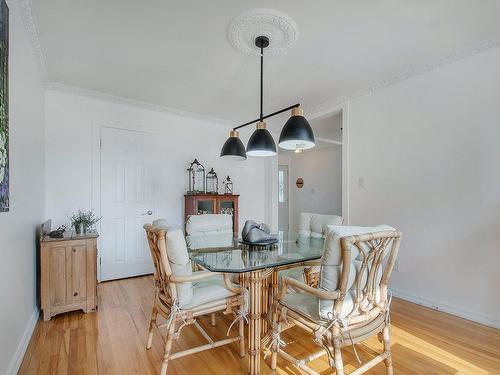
257	236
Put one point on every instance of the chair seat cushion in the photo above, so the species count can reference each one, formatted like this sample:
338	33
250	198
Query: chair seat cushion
331	261
218	240
307	305
314	225
320	222
296	273
207	290
209	224
161	224
180	264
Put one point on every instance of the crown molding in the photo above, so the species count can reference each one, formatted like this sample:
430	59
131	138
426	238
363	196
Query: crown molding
320	110
75	90
28	17
468	51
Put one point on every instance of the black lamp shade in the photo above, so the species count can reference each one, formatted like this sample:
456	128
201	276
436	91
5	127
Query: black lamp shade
297	134
233	148
261	143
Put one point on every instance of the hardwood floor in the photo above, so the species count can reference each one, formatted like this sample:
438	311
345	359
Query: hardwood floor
112	341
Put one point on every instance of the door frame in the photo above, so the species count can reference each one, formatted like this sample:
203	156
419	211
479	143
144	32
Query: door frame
95	193
286	163
344	110
271	167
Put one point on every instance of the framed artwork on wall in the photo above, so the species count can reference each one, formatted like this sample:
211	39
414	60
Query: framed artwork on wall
4	106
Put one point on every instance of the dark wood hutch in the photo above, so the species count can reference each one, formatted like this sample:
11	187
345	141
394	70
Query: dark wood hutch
197	204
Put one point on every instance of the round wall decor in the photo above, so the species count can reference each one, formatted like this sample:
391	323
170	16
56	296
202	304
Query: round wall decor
281	30
299	183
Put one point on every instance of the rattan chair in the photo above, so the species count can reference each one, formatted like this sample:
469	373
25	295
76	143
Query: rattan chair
351	302
182	295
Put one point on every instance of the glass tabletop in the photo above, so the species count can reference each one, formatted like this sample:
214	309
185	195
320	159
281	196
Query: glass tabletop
223	253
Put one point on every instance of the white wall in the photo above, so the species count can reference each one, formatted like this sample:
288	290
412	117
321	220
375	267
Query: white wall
321	171
18	313
72	151
429	151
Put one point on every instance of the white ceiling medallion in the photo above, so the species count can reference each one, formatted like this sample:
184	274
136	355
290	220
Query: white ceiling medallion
281	30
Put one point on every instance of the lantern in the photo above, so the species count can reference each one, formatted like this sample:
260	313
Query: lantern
196	178
212	184
228	186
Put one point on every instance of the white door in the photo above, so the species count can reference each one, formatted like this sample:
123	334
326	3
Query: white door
283	213
127	202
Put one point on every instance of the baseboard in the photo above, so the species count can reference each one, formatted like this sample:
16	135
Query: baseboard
17	359
449	308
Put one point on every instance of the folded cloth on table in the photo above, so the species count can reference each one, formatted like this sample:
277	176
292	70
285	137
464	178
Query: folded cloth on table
253	232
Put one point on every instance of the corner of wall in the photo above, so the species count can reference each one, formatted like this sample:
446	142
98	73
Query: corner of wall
17	359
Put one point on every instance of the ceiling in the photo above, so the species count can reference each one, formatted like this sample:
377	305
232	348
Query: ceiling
175	53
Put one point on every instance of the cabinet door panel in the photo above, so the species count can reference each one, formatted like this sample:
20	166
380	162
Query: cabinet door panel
77	272
57	275
206	206
226	207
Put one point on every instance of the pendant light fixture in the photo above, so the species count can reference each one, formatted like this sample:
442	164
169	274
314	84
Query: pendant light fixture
233	148
296	135
261	143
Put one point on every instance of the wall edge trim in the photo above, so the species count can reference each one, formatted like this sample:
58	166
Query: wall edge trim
448	308
18	357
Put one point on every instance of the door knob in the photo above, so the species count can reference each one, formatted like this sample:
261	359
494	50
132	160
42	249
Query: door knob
149	213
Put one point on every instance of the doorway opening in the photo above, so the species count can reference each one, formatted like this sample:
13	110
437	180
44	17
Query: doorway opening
311	180
127	202
283	196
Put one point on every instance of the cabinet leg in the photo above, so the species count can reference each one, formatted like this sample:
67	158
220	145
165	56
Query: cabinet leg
46	315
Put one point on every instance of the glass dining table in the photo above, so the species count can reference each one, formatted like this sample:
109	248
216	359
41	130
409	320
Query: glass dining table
257	268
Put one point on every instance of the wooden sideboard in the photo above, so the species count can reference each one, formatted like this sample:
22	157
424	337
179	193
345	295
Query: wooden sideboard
197	204
68	274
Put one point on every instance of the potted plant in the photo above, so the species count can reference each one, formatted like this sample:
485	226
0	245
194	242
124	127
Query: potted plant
90	221
83	221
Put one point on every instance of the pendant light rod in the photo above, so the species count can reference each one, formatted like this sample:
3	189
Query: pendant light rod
261	81
267	116
263	42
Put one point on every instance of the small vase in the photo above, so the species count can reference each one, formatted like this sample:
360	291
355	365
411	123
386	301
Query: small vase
79	228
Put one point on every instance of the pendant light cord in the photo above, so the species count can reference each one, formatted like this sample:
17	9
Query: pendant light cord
261	116
261	82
